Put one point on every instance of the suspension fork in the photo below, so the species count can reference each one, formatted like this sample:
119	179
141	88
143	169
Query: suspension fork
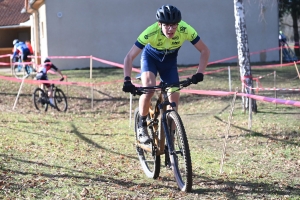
167	132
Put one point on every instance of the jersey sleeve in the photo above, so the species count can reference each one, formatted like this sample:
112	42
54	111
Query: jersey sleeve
145	37
190	32
54	67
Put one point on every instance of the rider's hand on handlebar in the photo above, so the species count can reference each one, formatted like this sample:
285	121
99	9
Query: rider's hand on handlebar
129	87
196	78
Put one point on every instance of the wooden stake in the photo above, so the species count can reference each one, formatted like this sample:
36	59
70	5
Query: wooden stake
297	69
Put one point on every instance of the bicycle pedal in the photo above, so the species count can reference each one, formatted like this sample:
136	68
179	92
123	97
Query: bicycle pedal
139	151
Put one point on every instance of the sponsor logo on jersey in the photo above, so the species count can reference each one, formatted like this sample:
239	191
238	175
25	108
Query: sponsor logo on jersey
193	35
182	29
150	34
159	44
175	38
175	42
170	51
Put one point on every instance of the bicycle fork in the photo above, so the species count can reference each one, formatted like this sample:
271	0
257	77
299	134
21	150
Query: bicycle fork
167	134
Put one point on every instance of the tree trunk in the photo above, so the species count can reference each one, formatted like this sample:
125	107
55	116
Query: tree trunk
243	53
294	13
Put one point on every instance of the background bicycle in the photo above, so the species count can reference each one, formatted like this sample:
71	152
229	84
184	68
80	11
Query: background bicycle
168	136
20	70
41	99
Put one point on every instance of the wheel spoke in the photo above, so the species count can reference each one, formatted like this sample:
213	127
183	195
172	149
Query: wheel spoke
150	164
60	100
180	158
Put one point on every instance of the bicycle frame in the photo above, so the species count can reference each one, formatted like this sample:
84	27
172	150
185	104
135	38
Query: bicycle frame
60	100
163	134
174	145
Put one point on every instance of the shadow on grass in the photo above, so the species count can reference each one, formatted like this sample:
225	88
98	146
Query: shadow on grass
232	190
257	134
89	141
202	185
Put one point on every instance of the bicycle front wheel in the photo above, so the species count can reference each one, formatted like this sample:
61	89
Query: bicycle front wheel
40	99
180	158
19	71
150	163
60	100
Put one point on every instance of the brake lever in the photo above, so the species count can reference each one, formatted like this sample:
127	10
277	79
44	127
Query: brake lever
187	82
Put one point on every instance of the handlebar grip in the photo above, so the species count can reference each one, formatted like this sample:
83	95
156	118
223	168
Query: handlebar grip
137	91
187	82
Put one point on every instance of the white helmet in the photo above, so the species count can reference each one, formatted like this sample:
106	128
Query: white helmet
15	41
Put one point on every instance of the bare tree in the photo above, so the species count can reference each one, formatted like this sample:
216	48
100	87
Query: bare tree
243	53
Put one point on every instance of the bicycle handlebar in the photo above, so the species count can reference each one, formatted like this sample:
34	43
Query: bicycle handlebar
163	86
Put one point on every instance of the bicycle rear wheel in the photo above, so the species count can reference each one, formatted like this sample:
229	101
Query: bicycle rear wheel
40	99
150	164
19	71
60	100
180	159
29	69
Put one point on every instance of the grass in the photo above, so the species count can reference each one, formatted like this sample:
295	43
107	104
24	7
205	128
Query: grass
89	153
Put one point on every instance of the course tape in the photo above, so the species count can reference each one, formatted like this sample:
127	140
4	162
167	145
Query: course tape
277	89
256	97
260	77
30	81
115	64
261	88
190	91
5	55
94	58
43	81
138	71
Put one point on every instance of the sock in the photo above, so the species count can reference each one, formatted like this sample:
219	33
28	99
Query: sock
51	101
143	121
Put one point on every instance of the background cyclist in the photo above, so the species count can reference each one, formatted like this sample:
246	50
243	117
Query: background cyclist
159	44
42	75
20	49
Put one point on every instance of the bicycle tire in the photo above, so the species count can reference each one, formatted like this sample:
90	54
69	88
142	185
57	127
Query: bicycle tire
40	99
60	100
19	71
181	159
29	70
150	164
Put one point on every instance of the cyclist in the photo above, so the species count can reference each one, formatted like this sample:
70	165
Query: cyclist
42	75
21	49
28	44
159	44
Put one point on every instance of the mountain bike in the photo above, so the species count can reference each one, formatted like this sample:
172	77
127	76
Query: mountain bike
168	136
41	99
20	70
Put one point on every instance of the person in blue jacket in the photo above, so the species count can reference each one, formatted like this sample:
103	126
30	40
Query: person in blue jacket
20	49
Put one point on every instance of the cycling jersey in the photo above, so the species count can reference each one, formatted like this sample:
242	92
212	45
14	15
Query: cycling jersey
42	75
21	48
46	67
161	47
160	53
29	47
